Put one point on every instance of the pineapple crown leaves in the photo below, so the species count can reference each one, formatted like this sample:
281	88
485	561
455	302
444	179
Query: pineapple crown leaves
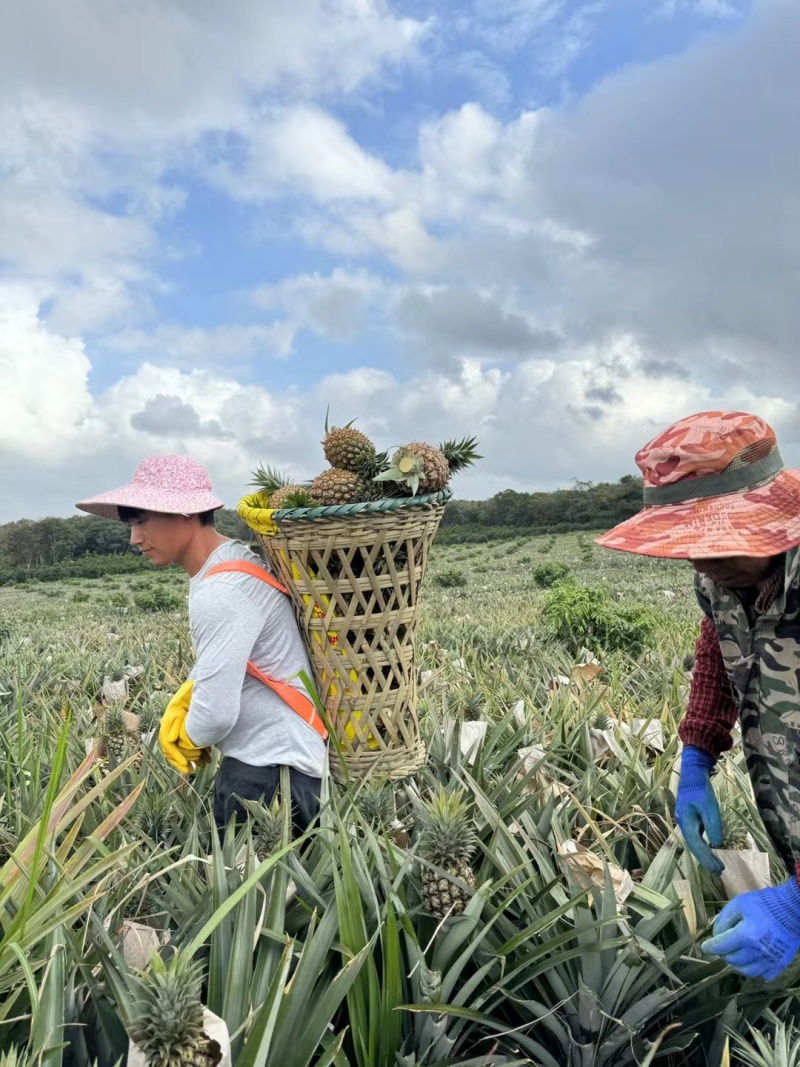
114	721
167	1013
328	427
447	833
269	479
460	454
376	802
299	498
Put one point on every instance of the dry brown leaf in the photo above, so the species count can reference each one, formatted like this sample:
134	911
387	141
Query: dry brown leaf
588	868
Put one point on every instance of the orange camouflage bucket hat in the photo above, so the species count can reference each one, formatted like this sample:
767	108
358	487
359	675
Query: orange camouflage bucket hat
715	485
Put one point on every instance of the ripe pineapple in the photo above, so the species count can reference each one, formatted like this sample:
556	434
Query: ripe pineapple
115	733
167	1015
422	468
447	841
336	486
346	448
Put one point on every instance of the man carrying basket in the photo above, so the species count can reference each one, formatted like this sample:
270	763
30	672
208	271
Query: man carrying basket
244	694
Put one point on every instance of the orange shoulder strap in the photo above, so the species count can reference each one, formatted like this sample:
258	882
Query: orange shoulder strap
297	701
245	567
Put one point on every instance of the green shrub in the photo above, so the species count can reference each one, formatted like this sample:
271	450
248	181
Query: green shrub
547	574
79	597
587	617
452	578
118	600
157	600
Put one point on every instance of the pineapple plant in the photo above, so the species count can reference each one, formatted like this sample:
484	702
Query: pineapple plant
447	841
267	826
376	802
602	721
115	733
470	705
418	467
167	1015
154	817
337	486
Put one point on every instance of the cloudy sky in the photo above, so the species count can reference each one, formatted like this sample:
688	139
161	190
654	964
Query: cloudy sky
556	224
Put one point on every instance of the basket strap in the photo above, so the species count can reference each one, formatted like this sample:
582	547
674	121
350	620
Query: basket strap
297	701
245	567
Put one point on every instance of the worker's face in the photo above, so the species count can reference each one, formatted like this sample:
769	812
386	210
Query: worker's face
162	538
735	572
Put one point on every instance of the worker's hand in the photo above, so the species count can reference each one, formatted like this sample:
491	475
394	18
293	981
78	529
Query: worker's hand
200	756
173	724
758	933
697	809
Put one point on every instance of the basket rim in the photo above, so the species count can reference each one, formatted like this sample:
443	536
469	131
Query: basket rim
343	511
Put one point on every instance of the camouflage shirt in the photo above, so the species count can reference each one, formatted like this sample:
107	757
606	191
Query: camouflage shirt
759	638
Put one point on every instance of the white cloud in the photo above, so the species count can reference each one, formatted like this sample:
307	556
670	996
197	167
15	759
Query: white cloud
149	70
43	383
300	151
204	346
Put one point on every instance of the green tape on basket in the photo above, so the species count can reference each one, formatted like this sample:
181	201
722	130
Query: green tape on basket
343	511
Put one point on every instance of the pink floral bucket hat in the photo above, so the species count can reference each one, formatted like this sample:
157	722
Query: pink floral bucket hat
715	485
175	485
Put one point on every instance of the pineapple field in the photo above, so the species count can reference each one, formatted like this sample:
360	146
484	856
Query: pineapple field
524	898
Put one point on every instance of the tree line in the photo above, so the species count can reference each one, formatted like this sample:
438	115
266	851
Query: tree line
85	545
584	506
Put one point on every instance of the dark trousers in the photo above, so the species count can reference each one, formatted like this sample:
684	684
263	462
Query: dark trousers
236	779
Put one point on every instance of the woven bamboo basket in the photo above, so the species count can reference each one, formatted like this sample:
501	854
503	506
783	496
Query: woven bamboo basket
354	573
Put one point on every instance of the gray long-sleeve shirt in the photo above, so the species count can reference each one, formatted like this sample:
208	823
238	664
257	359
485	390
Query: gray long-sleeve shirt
235	618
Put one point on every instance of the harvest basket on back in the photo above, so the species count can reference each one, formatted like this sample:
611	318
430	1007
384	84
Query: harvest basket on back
354	572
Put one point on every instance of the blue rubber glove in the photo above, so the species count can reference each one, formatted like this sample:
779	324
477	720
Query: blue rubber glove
697	809
758	933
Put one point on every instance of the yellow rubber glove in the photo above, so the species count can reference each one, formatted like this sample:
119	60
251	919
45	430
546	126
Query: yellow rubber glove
173	724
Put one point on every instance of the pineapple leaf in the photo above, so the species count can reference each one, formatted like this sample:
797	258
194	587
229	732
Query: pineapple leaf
460	454
268	479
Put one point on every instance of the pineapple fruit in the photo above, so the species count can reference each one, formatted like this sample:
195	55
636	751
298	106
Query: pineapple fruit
347	449
115	733
167	1015
448	842
421	468
358	472
337	486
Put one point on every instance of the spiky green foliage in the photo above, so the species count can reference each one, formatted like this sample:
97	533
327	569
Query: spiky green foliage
167	1014
293	496
460	454
602	721
269	479
376	802
447	835
155	816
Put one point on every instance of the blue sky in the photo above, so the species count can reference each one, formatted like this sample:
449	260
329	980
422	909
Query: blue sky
567	221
